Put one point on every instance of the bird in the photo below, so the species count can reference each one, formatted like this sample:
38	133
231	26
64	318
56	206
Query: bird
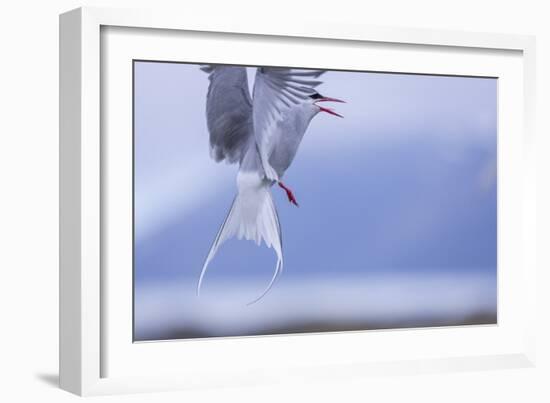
261	133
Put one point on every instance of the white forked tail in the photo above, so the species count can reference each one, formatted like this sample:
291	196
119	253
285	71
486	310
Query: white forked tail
253	217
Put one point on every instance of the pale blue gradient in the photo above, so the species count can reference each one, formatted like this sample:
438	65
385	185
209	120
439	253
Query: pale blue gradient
399	196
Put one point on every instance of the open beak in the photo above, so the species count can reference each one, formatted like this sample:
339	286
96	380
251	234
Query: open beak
328	110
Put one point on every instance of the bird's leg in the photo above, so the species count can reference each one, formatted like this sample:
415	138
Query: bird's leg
289	194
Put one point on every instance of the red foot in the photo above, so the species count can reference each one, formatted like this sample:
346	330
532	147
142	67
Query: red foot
289	194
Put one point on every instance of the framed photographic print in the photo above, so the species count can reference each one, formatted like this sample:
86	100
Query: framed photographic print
290	201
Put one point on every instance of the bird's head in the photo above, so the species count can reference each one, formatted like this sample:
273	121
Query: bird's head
316	98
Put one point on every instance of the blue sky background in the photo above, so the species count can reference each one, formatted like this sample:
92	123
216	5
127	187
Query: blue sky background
397	218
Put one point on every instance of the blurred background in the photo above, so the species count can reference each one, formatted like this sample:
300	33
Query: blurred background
396	226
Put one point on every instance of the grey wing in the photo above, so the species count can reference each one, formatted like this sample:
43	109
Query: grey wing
228	112
276	92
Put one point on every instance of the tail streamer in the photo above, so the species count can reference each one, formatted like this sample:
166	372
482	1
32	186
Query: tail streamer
253	217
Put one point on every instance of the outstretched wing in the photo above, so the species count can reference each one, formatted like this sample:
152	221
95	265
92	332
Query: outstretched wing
228	112
276	91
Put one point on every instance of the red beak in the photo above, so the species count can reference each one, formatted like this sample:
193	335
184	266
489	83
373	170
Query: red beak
328	110
328	99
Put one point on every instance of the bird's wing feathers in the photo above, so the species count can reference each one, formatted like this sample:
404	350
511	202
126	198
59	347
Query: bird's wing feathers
228	112
276	91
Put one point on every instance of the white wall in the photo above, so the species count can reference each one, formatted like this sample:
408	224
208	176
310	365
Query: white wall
28	198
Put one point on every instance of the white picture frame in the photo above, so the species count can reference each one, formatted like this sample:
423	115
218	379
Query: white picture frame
85	344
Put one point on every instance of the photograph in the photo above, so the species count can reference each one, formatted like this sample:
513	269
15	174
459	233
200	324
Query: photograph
277	200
